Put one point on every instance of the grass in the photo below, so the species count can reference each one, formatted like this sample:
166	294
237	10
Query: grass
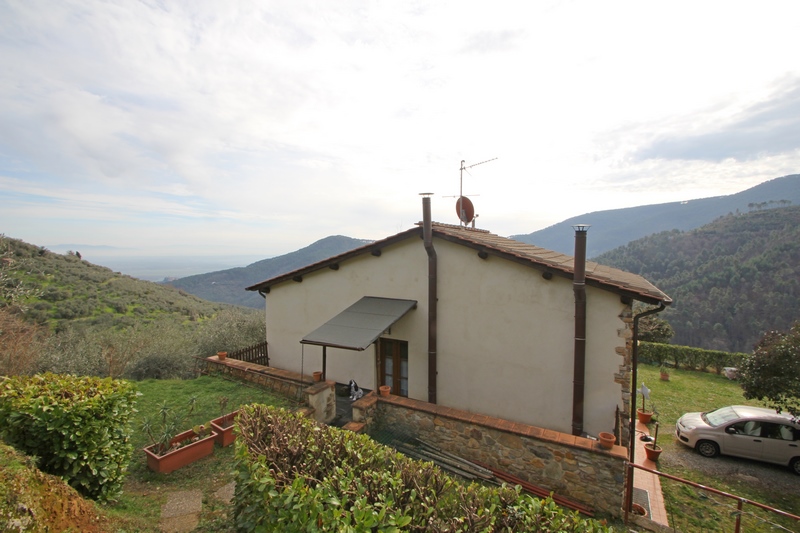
694	510
139	509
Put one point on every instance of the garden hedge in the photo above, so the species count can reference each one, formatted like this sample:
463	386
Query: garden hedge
78	427
296	475
688	357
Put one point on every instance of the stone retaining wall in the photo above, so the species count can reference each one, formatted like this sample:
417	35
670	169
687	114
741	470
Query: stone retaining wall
570	466
319	396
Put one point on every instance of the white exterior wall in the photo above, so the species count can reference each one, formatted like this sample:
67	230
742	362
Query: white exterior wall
506	343
296	309
505	335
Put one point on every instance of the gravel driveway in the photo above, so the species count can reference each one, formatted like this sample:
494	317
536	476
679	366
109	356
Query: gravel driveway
777	478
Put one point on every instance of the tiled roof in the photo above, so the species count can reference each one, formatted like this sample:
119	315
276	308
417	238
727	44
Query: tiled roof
604	277
558	263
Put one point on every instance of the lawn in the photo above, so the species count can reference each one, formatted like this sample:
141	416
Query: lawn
139	509
695	510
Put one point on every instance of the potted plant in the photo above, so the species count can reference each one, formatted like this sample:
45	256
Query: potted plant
222	355
607	439
317	376
224	424
384	390
652	449
664	373
643	414
170	450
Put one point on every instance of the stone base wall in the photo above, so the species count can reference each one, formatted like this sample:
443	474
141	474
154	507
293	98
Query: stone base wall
319	396
574	467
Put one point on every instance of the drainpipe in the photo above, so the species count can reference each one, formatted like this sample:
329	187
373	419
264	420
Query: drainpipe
266	336
579	288
632	424
427	239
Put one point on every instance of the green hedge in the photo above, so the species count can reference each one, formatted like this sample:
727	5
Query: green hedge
296	475
78	427
687	357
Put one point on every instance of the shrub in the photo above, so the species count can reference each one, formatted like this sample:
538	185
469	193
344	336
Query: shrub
688	357
77	427
295	475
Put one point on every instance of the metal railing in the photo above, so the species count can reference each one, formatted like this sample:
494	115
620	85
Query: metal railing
740	501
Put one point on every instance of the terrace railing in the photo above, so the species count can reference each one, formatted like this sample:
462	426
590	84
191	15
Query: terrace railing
730	508
258	354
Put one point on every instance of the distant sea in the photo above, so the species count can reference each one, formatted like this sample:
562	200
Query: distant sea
155	268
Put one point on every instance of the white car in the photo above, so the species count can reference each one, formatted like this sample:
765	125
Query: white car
743	431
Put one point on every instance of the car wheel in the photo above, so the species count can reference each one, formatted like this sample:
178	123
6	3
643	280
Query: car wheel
794	464
706	448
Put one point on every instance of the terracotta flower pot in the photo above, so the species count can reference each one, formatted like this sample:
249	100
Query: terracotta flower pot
665	376
222	355
385	390
638	509
652	451
317	376
644	416
183	456
224	429
607	440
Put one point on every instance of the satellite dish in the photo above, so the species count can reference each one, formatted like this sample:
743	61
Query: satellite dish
465	210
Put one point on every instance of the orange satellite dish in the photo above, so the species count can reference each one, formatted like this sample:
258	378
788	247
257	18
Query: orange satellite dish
465	210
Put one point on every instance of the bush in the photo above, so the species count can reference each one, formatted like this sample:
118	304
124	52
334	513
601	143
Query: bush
688	357
77	427
295	475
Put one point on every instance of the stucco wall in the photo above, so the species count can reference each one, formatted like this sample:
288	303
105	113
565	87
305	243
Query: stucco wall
505	334
295	309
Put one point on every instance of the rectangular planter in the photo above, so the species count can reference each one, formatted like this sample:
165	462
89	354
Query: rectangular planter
183	456
225	435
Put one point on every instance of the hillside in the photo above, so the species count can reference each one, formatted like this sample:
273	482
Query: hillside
618	227
731	280
228	285
63	288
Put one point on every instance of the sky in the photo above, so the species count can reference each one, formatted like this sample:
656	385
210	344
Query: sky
258	127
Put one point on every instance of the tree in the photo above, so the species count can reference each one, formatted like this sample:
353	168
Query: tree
654	329
772	373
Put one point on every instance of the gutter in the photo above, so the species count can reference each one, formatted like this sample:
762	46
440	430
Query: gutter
427	239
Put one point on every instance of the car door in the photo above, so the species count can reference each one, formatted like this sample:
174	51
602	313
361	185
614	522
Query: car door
743	439
780	445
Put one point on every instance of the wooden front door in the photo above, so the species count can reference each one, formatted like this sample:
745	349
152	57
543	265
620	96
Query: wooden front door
394	365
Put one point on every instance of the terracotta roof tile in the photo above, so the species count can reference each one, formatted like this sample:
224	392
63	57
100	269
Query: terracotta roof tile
597	275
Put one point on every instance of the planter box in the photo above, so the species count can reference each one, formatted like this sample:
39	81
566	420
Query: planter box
225	435
183	456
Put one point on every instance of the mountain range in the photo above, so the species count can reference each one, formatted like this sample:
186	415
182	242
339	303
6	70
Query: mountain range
609	229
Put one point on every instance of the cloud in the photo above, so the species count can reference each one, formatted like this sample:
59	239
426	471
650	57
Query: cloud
492	41
765	128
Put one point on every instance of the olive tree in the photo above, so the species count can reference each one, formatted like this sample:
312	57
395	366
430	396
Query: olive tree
772	372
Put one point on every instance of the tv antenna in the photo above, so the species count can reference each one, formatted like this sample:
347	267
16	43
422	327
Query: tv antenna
464	207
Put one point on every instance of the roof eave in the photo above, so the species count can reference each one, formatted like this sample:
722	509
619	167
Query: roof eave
264	286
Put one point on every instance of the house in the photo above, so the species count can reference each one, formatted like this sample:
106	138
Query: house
463	318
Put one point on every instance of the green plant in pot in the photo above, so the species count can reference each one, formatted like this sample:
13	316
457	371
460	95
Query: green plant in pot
169	449
224	424
652	449
643	414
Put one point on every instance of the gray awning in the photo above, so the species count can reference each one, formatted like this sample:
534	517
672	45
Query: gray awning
361	324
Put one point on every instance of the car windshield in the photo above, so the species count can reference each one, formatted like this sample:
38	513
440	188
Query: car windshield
720	416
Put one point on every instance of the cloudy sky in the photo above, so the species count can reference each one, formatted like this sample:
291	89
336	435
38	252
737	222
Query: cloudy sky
258	127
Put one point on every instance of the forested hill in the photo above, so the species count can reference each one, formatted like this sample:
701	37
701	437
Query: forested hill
731	280
229	285
617	227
